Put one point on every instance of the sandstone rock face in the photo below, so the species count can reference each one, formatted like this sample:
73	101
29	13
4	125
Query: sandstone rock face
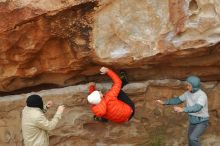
63	42
39	51
16	12
151	124
146	28
57	43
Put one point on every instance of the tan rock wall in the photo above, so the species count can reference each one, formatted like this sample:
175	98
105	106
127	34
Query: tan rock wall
152	123
57	43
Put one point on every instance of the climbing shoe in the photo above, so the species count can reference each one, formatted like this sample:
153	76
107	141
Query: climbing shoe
124	77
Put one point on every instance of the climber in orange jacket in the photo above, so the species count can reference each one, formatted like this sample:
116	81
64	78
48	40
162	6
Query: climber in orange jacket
115	105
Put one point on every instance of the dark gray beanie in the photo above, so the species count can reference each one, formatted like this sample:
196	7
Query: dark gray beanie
35	101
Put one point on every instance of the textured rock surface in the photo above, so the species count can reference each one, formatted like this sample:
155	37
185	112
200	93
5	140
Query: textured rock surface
152	123
60	42
146	28
39	51
57	43
18	12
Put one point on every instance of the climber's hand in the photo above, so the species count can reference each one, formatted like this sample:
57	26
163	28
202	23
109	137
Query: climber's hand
104	70
92	83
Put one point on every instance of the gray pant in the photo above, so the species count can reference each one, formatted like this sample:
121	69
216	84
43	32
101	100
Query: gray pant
195	131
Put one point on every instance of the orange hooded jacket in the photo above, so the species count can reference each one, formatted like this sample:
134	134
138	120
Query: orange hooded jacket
110	107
